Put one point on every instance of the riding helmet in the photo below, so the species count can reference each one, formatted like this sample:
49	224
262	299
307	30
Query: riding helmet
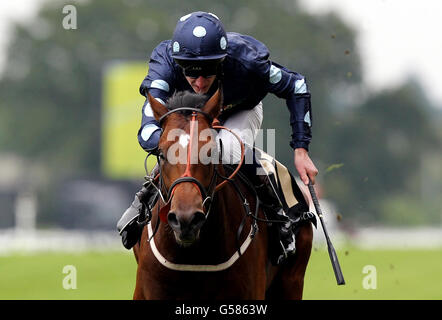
199	36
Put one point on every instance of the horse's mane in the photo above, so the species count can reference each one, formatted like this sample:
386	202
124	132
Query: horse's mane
186	99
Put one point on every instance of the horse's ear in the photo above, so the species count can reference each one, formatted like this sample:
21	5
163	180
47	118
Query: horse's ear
157	107
213	105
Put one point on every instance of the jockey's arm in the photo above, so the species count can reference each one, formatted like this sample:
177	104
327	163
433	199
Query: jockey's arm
159	84
299	105
150	131
292	86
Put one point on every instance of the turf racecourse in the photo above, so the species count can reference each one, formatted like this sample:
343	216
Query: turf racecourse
395	274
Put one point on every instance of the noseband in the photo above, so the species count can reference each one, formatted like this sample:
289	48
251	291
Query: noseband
187	176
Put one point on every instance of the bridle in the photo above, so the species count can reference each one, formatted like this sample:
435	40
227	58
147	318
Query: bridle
206	194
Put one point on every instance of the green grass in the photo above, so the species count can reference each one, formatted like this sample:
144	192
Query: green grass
401	274
111	275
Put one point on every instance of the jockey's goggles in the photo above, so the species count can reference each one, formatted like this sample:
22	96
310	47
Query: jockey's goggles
195	69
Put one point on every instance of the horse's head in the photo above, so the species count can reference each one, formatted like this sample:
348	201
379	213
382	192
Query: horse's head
186	148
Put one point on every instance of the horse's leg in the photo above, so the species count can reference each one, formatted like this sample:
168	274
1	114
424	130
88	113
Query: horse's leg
136	249
289	282
138	292
138	253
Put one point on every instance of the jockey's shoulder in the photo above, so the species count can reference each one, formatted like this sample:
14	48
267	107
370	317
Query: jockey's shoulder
163	50
246	50
163	46
242	43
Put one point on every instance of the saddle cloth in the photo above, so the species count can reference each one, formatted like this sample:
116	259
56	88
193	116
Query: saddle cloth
295	207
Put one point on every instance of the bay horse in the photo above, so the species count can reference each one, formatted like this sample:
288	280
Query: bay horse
201	242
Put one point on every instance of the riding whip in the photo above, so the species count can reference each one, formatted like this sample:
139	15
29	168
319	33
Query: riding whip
331	250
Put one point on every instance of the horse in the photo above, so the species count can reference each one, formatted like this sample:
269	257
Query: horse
207	238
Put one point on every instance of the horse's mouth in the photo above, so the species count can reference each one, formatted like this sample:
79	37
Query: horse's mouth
186	241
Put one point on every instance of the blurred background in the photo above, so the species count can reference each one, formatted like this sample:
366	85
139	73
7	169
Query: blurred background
70	111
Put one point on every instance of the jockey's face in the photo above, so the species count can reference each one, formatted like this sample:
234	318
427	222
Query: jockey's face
201	85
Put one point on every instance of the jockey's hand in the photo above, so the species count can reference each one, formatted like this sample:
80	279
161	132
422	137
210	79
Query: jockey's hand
305	166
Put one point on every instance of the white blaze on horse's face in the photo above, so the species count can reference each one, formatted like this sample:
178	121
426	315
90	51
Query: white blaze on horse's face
184	140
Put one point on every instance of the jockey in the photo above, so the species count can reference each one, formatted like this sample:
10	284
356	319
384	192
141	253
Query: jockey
199	55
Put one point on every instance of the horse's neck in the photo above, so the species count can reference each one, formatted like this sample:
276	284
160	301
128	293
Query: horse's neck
228	215
225	217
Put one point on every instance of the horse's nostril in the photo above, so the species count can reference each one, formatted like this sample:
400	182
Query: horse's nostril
186	226
198	220
173	220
